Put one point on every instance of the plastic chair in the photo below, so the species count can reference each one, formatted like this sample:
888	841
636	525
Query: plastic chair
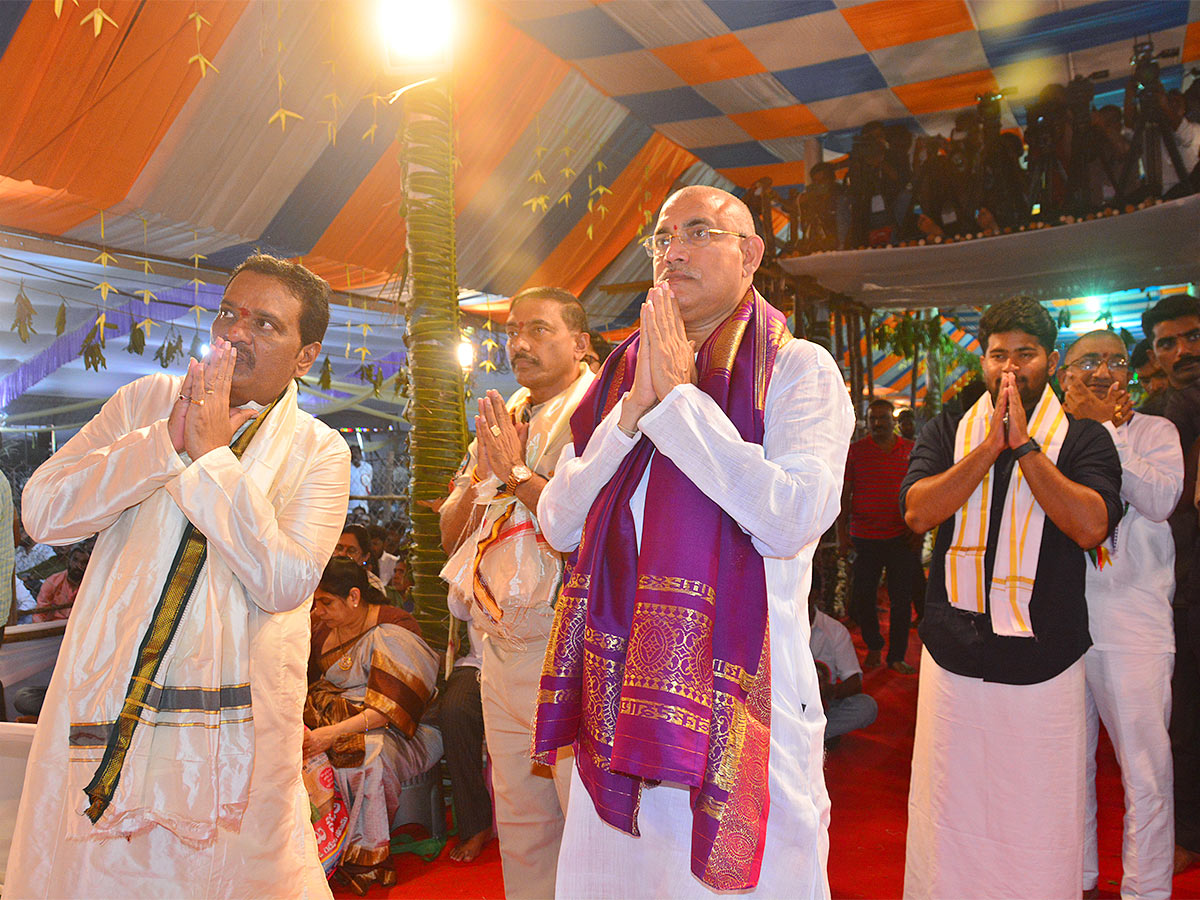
422	803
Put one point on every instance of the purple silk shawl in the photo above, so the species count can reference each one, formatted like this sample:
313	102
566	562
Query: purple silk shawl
658	666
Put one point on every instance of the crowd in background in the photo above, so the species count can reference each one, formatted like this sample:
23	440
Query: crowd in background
1072	161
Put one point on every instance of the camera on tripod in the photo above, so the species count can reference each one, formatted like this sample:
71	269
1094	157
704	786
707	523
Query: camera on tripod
1146	71
1153	143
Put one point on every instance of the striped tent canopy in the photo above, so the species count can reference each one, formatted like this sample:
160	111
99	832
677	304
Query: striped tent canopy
189	134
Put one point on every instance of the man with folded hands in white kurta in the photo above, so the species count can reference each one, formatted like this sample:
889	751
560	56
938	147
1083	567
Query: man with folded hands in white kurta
1130	580
705	463
166	762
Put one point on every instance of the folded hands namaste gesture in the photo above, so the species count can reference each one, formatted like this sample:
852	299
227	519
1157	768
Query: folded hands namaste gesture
201	419
666	358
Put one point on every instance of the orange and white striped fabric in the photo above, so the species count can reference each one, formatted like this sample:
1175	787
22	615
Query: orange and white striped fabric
504	572
1021	524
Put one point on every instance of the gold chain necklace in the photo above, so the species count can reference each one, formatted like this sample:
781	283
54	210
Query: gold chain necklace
347	660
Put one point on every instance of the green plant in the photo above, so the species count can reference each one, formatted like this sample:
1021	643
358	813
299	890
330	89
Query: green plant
438	437
906	335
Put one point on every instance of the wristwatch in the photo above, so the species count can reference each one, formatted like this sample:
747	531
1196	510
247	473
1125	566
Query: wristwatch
1029	446
517	477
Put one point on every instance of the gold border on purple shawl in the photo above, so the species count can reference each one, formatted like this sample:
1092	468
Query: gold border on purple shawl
737	848
565	645
723	349
614	389
663	652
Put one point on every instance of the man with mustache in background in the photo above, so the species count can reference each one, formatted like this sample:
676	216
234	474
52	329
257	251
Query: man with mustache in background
504	577
704	465
1172	326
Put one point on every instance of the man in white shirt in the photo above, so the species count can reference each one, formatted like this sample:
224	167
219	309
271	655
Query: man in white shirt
1130	580
703	467
847	708
166	761
360	479
503	575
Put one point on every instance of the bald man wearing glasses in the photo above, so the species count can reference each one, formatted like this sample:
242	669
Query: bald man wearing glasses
1130	579
703	466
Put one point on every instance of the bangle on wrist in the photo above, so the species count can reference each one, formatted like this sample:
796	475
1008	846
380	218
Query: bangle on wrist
627	432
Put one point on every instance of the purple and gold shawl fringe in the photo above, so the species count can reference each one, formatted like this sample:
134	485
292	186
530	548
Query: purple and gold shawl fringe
658	666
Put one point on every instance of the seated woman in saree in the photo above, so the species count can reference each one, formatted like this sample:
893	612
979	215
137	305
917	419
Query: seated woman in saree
370	680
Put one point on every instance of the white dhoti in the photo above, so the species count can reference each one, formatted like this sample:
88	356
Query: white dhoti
1131	694
176	825
530	803
996	802
600	862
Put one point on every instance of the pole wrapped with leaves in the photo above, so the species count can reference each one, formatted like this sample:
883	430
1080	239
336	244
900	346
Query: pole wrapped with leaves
438	436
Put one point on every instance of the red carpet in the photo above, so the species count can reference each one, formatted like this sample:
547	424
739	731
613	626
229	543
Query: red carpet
867	775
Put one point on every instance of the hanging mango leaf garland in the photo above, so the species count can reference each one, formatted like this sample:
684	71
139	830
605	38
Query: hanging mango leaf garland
372	375
172	346
93	349
23	321
325	381
137	339
94	343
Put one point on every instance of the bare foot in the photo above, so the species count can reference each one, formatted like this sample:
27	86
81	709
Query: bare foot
466	851
1184	858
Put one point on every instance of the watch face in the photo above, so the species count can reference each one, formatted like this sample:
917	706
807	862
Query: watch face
521	473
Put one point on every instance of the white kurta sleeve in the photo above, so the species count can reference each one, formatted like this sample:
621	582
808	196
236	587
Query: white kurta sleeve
278	556
1151	465
786	492
568	496
106	468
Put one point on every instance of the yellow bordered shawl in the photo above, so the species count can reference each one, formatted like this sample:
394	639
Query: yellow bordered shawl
1021	524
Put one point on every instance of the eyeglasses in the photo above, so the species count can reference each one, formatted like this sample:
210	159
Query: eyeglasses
1092	363
1167	344
693	236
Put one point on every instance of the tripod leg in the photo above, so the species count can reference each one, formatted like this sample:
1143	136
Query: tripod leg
1181	169
1136	148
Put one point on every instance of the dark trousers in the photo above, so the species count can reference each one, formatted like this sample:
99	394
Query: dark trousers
461	719
871	558
1185	727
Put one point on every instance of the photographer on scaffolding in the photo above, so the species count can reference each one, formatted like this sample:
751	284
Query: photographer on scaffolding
1164	140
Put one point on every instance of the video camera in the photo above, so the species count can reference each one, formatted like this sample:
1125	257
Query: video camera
1146	71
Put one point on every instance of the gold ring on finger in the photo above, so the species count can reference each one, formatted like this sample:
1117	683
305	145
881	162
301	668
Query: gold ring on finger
197	402
210	392
183	397
495	429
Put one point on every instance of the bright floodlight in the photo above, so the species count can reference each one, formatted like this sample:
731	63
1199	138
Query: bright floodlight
466	354
417	30
1092	304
